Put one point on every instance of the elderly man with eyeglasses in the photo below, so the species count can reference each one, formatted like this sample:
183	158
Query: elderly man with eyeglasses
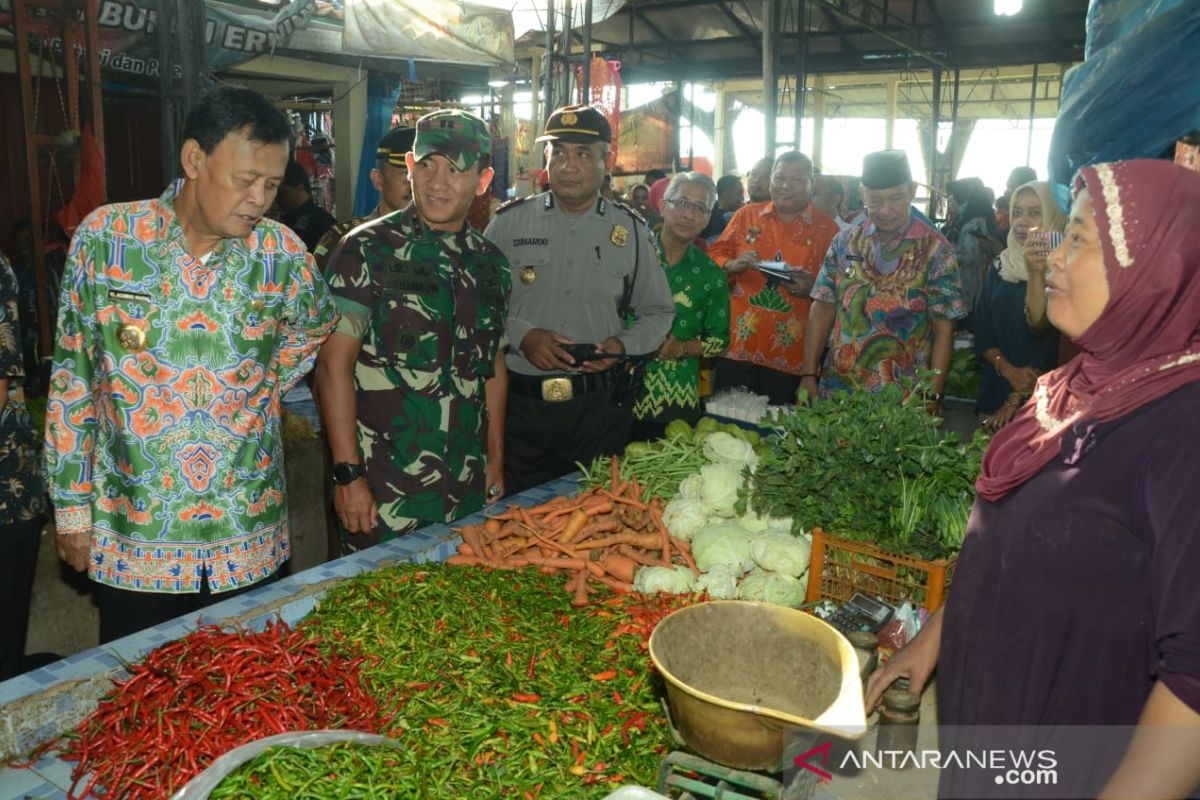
701	326
771	252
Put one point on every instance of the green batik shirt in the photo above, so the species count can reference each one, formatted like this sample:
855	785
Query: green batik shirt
162	422
701	295
429	309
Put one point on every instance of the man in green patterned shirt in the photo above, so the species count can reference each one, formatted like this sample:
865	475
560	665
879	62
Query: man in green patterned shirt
701	293
412	386
182	321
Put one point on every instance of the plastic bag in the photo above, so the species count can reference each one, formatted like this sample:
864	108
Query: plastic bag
199	787
1110	20
1152	68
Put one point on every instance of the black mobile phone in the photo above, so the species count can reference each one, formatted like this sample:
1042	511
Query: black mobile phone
585	352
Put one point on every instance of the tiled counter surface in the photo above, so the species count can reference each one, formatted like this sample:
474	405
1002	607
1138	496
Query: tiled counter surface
39	705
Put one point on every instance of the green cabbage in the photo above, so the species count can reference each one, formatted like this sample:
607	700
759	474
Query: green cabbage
689	487
722	542
752	522
719	487
721	582
683	517
772	587
669	580
781	552
722	448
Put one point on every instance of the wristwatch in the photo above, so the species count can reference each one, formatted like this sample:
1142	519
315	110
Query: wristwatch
345	472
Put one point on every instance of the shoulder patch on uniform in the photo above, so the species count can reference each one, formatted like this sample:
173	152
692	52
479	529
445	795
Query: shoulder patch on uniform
631	211
506	205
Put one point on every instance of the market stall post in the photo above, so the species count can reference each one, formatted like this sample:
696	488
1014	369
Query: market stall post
349	122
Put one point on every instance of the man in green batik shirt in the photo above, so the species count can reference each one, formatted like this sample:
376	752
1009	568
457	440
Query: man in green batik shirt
412	384
701	294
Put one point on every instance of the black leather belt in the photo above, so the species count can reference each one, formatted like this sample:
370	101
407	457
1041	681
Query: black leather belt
558	388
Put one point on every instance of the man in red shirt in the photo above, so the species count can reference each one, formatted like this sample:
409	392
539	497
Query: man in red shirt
769	311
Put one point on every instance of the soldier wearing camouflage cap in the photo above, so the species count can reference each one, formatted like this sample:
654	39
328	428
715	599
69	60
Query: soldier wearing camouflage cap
412	383
390	179
585	265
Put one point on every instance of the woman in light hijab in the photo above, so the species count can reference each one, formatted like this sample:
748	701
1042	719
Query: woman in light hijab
1013	355
1073	624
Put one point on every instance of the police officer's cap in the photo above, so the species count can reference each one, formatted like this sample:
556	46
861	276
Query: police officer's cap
394	144
580	124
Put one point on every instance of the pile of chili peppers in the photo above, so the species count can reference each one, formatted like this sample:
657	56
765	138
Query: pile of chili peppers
343	770
496	688
198	697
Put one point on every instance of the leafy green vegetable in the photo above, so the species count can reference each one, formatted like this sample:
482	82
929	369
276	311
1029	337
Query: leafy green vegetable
871	467
965	375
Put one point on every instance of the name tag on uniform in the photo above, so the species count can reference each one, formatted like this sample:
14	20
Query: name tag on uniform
409	277
854	258
531	241
136	297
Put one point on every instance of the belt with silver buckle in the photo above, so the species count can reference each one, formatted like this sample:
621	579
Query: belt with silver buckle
557	388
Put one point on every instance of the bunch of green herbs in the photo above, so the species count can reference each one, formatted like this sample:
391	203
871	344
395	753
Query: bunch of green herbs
872	467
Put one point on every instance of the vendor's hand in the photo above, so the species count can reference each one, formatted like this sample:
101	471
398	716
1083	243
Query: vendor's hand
1003	415
800	285
75	549
610	345
745	261
355	506
493	481
671	349
541	347
808	385
1022	379
915	661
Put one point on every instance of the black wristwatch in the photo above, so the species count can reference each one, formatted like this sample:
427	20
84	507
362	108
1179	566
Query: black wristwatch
345	472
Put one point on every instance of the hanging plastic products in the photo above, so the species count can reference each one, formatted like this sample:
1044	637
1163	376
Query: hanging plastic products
1135	95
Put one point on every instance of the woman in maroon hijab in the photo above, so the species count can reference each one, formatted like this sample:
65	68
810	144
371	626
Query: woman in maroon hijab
1076	600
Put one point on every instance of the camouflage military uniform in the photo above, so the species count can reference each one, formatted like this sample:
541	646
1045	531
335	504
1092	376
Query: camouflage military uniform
429	309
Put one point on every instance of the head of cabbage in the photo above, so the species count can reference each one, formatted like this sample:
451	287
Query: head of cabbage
723	542
721	582
684	516
772	587
781	552
723	448
719	487
668	580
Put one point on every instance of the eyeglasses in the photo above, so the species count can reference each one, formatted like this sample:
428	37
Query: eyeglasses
685	205
783	180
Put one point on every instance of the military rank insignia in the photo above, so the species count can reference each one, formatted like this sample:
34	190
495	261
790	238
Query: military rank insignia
620	235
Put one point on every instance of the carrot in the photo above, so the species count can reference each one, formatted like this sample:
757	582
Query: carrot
664	535
626	500
617	585
615	468
549	543
647	541
579	518
595	506
560	512
686	554
605	524
464	549
548	570
493	526
637	556
557	563
470	535
635	490
463	561
581	590
619	566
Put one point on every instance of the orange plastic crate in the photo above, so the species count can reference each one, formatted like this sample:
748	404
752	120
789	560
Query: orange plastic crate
840	567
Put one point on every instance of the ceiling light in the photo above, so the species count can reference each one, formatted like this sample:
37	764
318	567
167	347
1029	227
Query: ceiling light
1007	8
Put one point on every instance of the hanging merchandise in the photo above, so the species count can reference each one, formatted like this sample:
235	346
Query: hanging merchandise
1154	61
89	189
606	96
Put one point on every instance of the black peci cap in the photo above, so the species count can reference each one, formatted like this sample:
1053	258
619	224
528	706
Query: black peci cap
394	144
885	169
581	124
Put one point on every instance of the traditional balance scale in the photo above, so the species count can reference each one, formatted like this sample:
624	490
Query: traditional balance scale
751	686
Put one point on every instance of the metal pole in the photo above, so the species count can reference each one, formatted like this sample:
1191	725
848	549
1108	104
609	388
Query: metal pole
801	67
770	96
933	137
587	51
953	128
549	80
568	43
1032	109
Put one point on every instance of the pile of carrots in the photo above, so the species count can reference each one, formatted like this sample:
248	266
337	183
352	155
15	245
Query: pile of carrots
598	537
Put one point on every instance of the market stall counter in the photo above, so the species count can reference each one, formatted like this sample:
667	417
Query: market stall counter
40	705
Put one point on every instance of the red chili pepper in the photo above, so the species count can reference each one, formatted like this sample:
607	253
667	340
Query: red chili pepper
526	698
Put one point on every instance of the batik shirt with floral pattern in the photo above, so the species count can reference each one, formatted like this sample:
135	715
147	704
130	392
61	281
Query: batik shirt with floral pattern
163	423
22	496
768	322
701	312
887	294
